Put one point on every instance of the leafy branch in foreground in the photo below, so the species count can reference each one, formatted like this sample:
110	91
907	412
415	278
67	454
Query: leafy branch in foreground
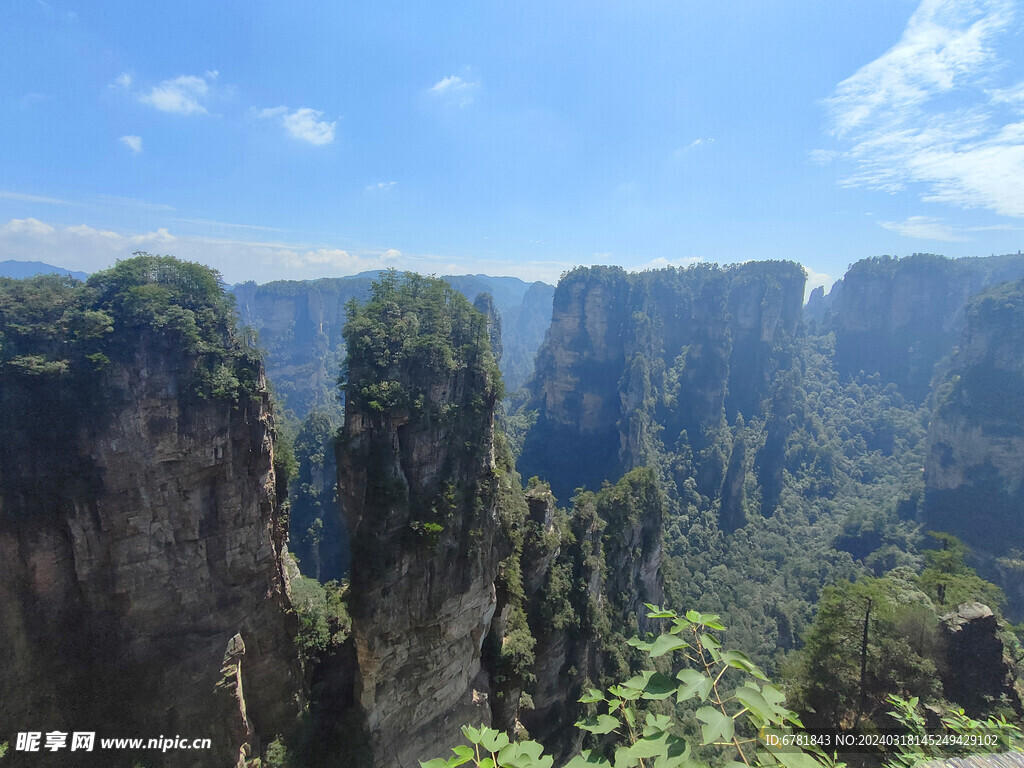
963	735
732	717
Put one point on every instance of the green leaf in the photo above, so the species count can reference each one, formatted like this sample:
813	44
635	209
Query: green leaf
624	758
487	763
656	724
588	759
739	660
639	681
752	699
472	734
711	621
694	684
694	617
636	642
437	762
792	758
709	642
717	726
654	612
678	754
773	695
493	740
601	724
630	716
679	625
651	747
526	754
665	644
463	754
591	696
659	687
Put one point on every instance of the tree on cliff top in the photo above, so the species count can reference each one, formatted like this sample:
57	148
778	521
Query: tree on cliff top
412	329
53	326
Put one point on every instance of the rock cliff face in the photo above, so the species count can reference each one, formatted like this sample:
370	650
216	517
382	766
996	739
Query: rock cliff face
586	576
299	324
974	471
417	480
899	317
978	670
634	358
464	594
141	582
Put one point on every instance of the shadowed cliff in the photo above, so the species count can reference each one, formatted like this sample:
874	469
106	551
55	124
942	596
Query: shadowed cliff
141	582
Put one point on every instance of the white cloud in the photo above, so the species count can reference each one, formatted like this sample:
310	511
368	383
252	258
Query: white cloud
816	279
895	117
181	95
303	124
90	248
454	90
28	226
84	230
134	143
380	185
335	261
122	81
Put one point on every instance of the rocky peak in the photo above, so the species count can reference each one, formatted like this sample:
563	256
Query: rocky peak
416	478
145	596
978	670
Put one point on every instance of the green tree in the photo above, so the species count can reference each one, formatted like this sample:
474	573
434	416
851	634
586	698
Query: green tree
949	581
856	653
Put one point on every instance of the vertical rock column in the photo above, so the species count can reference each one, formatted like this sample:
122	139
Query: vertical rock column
417	480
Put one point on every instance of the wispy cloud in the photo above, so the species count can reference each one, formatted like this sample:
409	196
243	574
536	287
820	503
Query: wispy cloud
122	82
134	143
380	186
455	90
895	116
682	152
21	197
925	228
930	228
131	202
303	124
182	95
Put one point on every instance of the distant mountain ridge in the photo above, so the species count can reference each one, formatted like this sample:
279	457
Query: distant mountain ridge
22	269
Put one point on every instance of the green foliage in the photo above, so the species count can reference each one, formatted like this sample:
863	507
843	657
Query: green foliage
960	735
412	329
949	581
324	621
55	327
738	705
870	639
318	538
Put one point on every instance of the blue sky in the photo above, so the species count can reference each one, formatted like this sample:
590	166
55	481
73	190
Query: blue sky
298	140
